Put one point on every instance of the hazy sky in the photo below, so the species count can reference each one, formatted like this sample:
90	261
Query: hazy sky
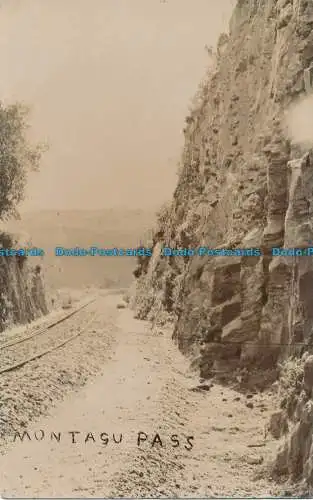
109	83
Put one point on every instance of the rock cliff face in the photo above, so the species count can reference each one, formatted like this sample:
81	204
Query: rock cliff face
22	297
243	182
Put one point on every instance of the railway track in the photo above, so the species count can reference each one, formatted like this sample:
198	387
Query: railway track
19	352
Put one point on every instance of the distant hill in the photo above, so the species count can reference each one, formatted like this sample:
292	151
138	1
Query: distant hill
84	228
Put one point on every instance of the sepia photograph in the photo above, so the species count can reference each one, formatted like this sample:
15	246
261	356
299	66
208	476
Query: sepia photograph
156	249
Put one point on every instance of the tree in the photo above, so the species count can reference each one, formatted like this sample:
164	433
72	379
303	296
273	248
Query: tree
17	157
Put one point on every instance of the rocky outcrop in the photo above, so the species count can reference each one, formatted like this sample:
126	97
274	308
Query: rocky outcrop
22	297
295	455
242	183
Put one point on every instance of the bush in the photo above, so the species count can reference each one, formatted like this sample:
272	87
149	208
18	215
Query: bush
17	157
290	383
163	213
291	374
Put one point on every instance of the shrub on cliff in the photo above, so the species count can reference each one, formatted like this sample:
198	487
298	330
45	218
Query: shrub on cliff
290	383
163	214
17	157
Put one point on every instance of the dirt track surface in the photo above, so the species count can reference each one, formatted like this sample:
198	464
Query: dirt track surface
121	378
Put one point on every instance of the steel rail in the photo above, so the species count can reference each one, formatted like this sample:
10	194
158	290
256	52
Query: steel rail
44	329
46	351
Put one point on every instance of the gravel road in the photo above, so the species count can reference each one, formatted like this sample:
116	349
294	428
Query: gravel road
116	413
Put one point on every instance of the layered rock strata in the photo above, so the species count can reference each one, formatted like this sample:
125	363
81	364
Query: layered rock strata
242	183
